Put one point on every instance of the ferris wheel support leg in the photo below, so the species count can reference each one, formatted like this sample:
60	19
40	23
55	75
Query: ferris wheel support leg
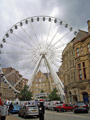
34	72
55	77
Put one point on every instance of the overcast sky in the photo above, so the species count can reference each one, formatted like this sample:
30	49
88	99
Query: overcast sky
74	12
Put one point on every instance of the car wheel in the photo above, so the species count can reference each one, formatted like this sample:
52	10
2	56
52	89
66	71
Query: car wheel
24	115
71	109
74	111
37	116
19	115
86	111
57	110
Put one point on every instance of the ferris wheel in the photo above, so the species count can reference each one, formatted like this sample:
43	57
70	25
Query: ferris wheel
35	43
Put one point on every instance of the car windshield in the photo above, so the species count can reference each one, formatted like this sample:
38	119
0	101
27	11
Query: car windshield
80	103
15	105
32	107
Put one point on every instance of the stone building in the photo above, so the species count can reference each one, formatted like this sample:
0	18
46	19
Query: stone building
42	81
76	68
12	76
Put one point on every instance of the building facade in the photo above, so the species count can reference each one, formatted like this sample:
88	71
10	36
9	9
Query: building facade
76	68
12	76
42	81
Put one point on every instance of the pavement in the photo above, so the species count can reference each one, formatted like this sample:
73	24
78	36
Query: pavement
10	117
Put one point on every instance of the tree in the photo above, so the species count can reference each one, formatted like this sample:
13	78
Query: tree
53	95
25	94
42	91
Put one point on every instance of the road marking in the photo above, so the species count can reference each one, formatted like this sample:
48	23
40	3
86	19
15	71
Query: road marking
67	114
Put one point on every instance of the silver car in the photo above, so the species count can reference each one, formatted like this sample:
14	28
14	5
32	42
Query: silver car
28	110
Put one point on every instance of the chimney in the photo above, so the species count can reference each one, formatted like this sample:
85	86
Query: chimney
88	22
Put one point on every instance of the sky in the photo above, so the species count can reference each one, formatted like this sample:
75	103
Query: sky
74	12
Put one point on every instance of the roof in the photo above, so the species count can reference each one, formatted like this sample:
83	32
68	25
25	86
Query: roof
81	34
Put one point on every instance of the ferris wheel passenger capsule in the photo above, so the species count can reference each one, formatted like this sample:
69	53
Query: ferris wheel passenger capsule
1	45
21	24
5	82
71	28
55	20
31	19
75	33
43	18
60	22
10	87
26	21
4	40
11	31
49	19
16	27
66	25
37	18
7	35
15	92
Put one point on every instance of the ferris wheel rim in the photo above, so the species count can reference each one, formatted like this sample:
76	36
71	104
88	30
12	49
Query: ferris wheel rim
29	18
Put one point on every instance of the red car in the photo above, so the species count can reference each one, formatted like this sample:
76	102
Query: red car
64	107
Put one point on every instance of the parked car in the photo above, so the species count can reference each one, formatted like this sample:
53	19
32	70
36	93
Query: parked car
28	110
16	108
52	105
64	107
80	106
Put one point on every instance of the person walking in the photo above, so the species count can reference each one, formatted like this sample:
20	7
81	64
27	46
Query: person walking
3	111
10	108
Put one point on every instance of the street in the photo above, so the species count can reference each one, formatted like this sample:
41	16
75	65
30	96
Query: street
53	115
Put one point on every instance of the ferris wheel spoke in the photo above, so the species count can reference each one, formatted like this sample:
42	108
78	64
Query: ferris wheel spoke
21	39
17	60
59	40
34	71
54	37
10	73
29	38
35	35
48	32
25	53
48	74
16	45
34	62
41	32
59	46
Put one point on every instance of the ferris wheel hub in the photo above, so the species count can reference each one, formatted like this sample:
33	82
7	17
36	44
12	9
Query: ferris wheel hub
43	51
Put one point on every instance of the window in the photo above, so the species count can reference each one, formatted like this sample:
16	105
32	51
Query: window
36	89
84	70
39	79
79	71
88	47
43	84
81	50
77	52
36	80
43	79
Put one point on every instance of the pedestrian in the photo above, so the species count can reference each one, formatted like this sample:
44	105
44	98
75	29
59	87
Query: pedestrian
10	108
3	111
87	105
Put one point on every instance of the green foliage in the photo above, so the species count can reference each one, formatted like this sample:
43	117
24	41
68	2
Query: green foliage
53	95
42	91
25	94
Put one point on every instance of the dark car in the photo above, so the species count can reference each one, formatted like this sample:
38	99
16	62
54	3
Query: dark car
80	106
64	107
